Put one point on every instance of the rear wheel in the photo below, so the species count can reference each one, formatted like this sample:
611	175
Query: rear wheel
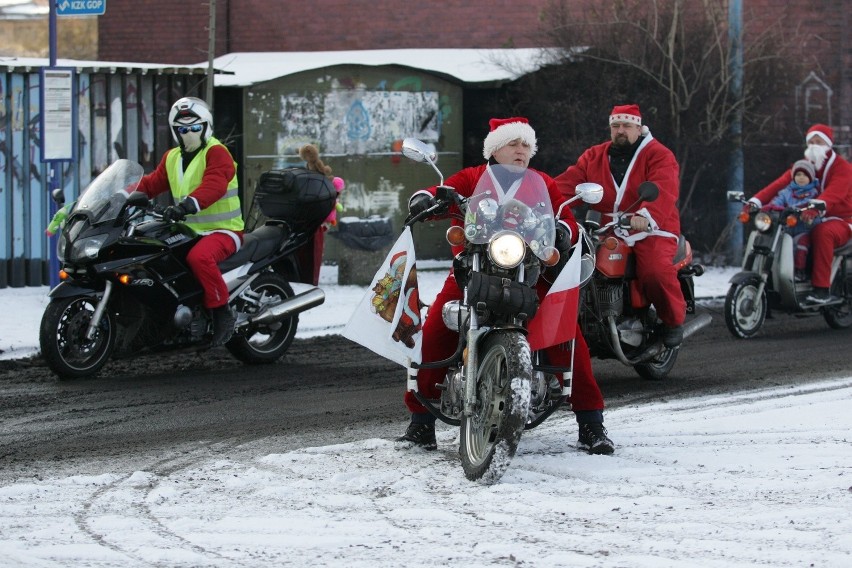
840	315
489	438
659	367
745	311
62	337
264	343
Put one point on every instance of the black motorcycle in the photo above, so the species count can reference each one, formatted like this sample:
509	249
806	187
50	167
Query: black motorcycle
127	290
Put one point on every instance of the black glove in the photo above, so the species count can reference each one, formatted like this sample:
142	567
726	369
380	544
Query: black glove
563	240
420	203
179	212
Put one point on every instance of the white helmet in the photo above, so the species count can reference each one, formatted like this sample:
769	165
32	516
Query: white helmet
189	111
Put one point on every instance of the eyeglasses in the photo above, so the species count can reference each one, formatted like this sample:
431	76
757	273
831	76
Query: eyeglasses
193	128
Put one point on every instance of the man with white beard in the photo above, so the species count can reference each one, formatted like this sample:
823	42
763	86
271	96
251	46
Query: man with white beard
835	183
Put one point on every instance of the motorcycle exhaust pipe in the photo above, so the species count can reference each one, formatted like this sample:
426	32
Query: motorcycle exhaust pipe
298	303
690	327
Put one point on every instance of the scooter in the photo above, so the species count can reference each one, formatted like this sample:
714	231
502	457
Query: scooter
768	280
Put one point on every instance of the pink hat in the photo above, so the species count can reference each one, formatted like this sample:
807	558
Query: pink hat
823	131
504	130
626	113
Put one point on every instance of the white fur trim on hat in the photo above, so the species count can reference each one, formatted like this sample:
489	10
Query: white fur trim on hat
821	135
504	134
631	118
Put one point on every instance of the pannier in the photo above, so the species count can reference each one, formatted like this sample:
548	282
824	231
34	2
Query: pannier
301	197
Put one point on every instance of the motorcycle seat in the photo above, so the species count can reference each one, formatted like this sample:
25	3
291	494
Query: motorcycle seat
258	244
844	250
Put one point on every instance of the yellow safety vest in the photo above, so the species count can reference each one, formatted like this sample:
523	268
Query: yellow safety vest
224	213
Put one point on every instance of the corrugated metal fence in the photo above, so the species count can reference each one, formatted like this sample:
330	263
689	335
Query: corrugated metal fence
120	111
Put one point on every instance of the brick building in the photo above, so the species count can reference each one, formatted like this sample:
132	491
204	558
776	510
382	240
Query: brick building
155	31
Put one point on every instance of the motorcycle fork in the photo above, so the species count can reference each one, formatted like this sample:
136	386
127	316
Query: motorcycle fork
472	363
99	311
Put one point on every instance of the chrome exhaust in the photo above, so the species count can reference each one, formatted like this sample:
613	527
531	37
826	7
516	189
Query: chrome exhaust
298	303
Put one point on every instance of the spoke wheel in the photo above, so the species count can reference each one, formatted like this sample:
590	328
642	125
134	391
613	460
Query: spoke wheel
659	367
489	438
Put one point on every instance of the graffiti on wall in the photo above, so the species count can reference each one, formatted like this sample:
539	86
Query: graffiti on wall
347	122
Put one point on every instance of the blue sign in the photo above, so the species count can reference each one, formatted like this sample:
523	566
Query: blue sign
80	7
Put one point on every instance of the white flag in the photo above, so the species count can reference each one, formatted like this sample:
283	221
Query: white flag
387	320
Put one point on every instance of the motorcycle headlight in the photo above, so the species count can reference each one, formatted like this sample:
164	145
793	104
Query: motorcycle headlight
87	247
762	222
507	249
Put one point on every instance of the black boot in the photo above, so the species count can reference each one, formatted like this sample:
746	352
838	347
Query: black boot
223	325
594	440
418	435
671	336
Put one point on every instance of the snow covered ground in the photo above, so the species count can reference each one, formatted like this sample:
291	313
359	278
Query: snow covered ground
762	478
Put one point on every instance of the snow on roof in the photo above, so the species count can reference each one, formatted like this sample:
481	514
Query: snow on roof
32	63
466	65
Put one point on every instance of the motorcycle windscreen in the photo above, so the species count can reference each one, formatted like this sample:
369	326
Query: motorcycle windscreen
514	199
103	199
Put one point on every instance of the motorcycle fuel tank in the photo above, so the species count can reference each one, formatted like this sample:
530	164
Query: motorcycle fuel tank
612	262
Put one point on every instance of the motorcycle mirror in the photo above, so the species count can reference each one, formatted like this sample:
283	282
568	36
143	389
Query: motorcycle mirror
736	196
589	192
419	151
58	196
137	199
648	191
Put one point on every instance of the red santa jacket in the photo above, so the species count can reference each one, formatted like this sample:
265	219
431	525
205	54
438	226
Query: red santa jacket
835	184
652	162
465	181
217	175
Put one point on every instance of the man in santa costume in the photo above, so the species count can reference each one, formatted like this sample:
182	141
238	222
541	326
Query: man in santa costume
835	230
632	156
510	142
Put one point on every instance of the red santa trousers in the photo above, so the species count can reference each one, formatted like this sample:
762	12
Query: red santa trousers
657	278
203	259
825	237
440	342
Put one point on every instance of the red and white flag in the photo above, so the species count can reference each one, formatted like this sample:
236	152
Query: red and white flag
388	319
555	321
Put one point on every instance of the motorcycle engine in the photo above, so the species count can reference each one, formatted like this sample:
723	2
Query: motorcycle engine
610	300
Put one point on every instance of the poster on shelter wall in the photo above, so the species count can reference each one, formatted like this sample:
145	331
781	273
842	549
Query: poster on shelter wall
357	121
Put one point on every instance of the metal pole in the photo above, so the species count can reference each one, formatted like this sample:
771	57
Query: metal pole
211	52
52	175
735	171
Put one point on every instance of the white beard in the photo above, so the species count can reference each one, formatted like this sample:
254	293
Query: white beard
191	141
817	155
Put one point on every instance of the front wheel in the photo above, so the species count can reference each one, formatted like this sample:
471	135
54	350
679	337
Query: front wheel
264	343
62	337
745	311
490	437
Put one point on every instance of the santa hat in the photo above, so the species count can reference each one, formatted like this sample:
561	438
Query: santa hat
823	131
504	130
806	167
626	113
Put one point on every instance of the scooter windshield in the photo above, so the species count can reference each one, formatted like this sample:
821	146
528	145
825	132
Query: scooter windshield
103	198
510	198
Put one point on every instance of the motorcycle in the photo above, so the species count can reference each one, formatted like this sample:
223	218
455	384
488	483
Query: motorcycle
768	278
126	288
617	319
495	387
